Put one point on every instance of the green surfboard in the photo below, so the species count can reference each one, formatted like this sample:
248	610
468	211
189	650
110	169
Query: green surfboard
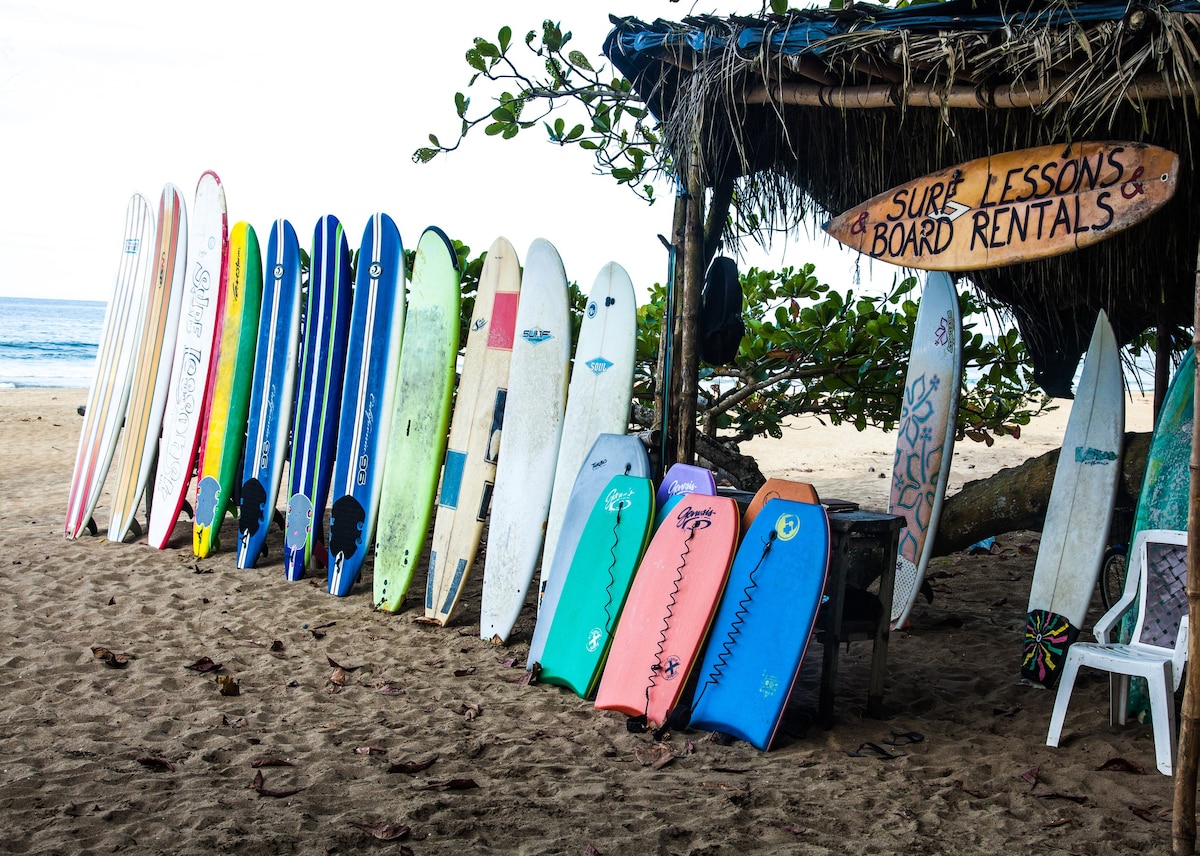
597	583
417	436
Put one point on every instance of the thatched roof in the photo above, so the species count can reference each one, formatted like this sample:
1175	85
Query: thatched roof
814	112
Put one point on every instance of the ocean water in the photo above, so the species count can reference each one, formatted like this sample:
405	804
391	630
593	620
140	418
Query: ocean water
48	343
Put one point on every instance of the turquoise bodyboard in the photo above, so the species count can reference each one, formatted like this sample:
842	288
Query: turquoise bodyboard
597	584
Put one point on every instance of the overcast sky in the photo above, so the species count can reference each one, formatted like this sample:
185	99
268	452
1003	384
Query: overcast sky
302	109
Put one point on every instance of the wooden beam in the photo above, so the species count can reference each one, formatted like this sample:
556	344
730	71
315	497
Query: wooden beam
684	416
1004	96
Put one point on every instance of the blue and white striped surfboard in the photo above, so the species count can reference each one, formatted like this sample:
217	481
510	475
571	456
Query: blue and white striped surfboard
318	393
372	357
273	392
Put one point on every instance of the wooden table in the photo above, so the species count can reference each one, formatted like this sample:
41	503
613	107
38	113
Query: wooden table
863	546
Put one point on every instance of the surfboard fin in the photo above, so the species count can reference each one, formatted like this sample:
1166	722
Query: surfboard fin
277	516
92	529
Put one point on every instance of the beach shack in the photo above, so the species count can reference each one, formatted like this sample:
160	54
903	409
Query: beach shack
794	118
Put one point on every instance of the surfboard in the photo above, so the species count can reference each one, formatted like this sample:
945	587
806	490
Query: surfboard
610	455
199	320
372	357
417	438
533	415
224	436
272	395
681	479
1163	499
156	336
108	394
925	436
597	583
469	470
678	481
601	389
778	489
318	394
670	607
764	623
1079	512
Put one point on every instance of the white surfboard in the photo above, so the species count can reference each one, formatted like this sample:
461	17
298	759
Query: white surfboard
199	320
533	416
473	448
1079	513
115	364
138	446
925	437
601	389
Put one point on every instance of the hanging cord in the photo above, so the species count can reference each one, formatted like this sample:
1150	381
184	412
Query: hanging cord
612	579
656	666
739	618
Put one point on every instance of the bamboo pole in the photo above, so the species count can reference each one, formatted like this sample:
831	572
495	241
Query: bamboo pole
1183	824
1003	96
684	416
1162	356
667	373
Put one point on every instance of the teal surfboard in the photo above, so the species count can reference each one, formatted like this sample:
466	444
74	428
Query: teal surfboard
417	436
1163	502
597	584
610	455
764	622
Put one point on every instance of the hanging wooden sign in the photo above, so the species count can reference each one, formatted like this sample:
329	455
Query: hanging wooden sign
1012	207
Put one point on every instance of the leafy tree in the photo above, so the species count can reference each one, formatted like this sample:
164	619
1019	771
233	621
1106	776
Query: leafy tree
808	348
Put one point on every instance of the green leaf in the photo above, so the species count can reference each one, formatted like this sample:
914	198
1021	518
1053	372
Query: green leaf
577	58
424	155
779	7
475	60
434	140
486	48
504	37
495	128
503	114
575	133
552	36
461	103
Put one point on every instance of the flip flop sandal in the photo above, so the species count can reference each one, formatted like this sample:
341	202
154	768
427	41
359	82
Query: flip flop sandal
904	738
874	750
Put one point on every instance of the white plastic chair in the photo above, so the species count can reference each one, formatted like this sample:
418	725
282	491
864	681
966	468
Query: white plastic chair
1158	649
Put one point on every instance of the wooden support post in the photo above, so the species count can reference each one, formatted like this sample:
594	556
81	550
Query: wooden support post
1162	357
667	374
1183	824
684	405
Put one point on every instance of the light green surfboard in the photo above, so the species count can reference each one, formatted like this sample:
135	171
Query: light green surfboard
417	436
597	584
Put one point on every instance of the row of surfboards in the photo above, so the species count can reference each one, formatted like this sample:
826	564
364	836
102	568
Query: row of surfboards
200	348
660	610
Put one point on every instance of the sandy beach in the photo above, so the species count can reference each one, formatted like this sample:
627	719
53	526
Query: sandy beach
348	724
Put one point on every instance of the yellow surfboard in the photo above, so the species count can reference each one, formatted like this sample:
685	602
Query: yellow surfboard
225	432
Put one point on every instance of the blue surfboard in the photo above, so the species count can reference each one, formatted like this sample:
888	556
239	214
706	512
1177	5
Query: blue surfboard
372	356
272	394
318	393
764	622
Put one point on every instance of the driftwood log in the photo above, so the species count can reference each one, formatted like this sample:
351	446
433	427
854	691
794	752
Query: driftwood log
1016	497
